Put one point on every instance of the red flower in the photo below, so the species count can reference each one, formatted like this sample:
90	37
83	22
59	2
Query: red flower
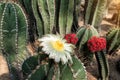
71	38
96	44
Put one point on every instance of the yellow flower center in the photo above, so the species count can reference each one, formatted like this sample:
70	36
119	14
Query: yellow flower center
58	45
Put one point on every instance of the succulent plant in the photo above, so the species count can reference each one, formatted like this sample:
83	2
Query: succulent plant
32	29
113	40
97	45
94	12
39	67
13	35
102	65
84	33
52	16
49	16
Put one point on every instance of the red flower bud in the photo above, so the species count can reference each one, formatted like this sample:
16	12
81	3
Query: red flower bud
96	44
71	38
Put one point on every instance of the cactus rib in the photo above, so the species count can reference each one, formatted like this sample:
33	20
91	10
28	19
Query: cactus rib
113	40
37	15
88	11
43	8
9	31
51	9
102	65
99	11
70	16
63	16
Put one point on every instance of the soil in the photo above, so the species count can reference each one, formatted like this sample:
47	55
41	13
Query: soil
4	72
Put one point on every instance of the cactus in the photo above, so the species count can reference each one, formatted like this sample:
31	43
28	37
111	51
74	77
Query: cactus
39	22
43	8
97	46
39	68
13	27
88	11
118	65
66	16
53	16
102	65
99	11
27	5
94	12
84	34
76	14
50	15
113	40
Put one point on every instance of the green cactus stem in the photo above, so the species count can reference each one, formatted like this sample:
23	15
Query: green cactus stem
13	35
99	11
39	68
70	16
76	14
54	16
31	63
66	16
43	8
51	9
102	65
27	6
39	22
63	16
113	40
13	27
94	11
84	34
88	11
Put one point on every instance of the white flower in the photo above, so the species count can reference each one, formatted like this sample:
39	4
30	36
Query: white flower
57	48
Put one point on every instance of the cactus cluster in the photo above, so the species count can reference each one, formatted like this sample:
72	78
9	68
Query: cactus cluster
113	40
52	16
39	67
94	11
49	16
13	44
84	34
